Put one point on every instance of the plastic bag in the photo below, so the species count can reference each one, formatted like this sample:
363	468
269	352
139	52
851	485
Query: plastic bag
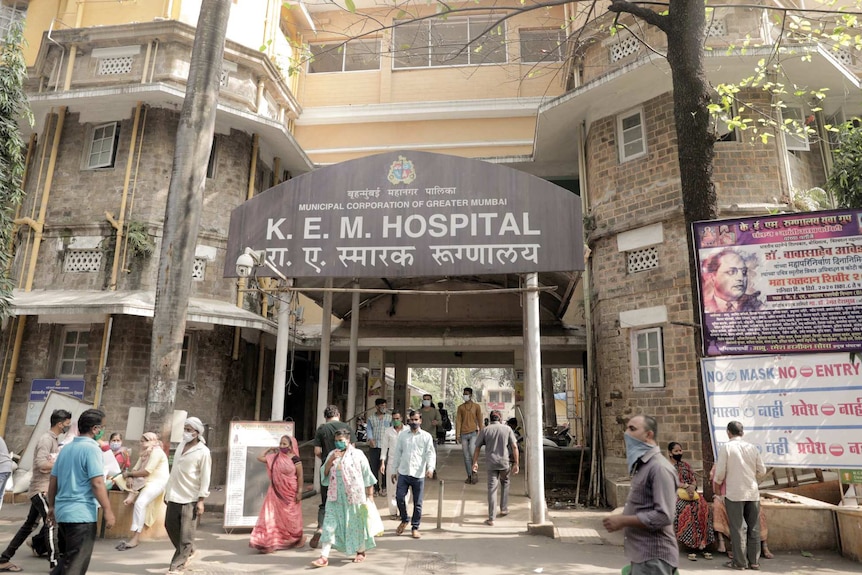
373	520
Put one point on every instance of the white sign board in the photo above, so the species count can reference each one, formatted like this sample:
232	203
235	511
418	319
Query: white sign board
799	410
247	479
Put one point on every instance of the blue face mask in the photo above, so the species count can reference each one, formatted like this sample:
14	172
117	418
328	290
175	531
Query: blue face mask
340	444
635	449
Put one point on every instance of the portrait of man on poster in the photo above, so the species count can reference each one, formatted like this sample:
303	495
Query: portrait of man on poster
726	285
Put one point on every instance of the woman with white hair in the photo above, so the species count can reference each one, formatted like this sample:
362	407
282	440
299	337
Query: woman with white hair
188	486
146	482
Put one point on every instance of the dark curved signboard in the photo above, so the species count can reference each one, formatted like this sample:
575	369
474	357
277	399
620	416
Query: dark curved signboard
411	214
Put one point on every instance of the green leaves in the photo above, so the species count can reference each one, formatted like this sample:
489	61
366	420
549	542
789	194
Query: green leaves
351	6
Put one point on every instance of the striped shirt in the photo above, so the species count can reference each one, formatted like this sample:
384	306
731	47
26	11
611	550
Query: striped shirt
376	426
653	500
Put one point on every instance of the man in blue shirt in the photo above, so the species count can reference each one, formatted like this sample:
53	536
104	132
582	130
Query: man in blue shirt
77	483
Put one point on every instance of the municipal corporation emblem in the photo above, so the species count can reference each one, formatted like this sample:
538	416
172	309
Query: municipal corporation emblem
401	171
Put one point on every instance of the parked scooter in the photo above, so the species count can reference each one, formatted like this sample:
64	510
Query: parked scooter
561	436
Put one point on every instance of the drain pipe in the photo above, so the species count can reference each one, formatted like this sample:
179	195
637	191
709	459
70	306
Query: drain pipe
38	227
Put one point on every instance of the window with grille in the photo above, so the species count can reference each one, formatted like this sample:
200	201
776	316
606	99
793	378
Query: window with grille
354	56
10	14
647	361
103	146
843	56
631	135
185	359
199	269
642	259
624	47
506	396
546	45
796	134
73	355
716	29
451	42
115	65
494	396
82	261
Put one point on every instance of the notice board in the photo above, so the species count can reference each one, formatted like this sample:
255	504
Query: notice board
247	480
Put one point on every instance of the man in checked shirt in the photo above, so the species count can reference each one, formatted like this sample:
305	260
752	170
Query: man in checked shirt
648	516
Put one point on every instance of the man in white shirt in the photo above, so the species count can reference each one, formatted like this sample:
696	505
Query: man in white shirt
739	465
188	486
387	450
415	459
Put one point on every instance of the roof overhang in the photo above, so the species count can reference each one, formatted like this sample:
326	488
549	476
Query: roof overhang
82	306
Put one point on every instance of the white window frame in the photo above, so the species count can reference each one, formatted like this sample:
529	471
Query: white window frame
104	138
795	141
554	53
79	355
11	13
344	50
637	366
621	144
469	51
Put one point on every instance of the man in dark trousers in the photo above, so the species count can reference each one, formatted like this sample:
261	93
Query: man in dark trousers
650	541
324	442
499	441
45	543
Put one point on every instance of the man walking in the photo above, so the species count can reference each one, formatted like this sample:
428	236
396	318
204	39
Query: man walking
445	424
45	543
376	426
324	442
387	450
414	460
187	488
432	421
468	422
77	482
739	465
650	542
499	441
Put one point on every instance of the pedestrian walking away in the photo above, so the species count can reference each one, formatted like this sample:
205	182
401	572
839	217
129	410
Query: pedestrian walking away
44	455
499	441
738	467
324	443
468	422
414	460
76	485
188	486
350	495
647	518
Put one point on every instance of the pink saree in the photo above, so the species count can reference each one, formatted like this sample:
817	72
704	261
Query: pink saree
279	525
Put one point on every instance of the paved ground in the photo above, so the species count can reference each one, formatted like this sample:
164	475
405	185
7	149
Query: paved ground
463	545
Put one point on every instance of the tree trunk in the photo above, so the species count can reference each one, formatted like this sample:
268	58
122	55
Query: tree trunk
183	213
696	150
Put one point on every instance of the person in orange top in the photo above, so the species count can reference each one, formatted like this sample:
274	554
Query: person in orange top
468	422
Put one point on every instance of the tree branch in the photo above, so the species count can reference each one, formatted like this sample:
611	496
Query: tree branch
645	14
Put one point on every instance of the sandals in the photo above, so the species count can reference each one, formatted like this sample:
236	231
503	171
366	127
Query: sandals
707	555
734	566
360	557
320	562
692	556
123	546
10	568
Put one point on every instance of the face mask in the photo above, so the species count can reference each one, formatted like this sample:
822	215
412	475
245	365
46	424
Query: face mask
396	423
635	449
426	403
187	436
414	425
677	456
284	449
341	444
115	445
66	428
467	397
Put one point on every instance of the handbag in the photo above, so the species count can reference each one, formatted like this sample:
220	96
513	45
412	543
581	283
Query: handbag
683	494
372	519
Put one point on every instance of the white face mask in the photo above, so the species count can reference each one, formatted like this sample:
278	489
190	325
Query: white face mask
426	403
467	397
187	437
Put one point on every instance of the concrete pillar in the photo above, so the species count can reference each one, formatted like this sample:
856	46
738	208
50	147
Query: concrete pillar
401	400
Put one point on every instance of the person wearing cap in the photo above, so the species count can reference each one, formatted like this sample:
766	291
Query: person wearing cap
468	423
188	486
499	441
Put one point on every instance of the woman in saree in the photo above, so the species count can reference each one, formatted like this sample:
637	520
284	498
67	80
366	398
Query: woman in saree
693	523
279	525
146	481
345	527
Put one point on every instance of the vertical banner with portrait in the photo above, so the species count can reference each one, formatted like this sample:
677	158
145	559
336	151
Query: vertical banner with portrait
376	375
247	479
789	283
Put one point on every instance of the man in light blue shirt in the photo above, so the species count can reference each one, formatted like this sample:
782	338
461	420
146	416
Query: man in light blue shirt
415	458
77	483
376	426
